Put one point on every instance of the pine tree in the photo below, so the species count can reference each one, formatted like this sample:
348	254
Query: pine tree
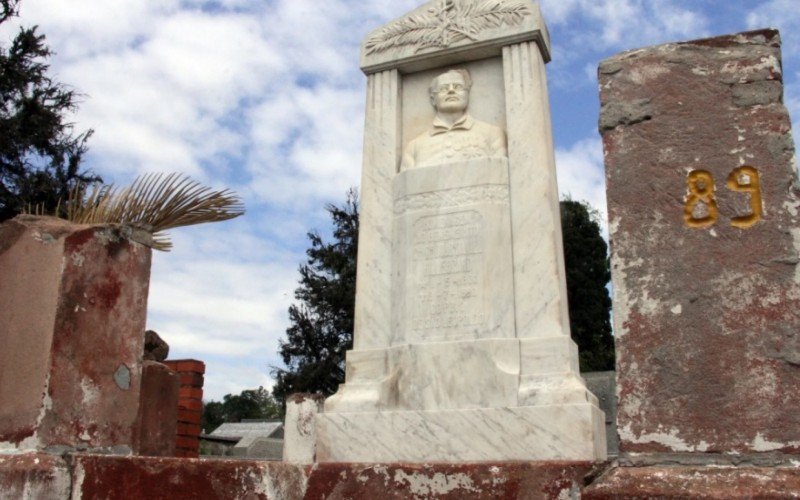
321	328
40	153
588	273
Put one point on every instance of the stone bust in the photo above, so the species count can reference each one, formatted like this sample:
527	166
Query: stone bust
455	135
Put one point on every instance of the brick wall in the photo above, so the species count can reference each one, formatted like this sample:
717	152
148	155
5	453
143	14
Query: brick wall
190	406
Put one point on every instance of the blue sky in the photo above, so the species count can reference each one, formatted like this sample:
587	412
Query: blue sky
265	97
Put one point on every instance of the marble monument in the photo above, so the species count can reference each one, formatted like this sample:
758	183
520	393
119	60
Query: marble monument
462	349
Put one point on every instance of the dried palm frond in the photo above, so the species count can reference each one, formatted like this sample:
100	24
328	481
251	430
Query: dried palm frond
153	203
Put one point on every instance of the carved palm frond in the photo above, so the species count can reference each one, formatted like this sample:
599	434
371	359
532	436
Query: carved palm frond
471	17
153	203
451	22
413	30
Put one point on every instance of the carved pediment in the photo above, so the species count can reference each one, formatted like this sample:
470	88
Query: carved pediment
443	26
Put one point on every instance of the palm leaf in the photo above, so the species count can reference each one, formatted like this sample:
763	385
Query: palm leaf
153	203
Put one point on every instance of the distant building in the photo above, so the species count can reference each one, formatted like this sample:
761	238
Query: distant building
247	439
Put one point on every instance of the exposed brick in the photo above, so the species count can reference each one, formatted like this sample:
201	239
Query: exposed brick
191	380
188	429
190	404
186	365
191	393
189	416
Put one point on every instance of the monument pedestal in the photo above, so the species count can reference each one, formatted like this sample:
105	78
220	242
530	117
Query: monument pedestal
462	350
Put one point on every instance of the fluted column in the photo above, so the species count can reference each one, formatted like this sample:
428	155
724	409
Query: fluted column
539	278
381	151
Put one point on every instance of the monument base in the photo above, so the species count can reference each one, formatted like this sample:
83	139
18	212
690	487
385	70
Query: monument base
555	432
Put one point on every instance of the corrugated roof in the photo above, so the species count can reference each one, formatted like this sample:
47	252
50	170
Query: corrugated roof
249	429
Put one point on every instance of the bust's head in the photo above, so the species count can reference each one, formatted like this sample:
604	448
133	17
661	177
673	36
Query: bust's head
450	91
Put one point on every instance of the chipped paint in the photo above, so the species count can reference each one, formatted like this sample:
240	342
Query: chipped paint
677	309
744	71
78	259
90	392
437	484
761	444
670	439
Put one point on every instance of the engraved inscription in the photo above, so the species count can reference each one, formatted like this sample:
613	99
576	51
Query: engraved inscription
493	193
447	269
701	204
746	180
700	209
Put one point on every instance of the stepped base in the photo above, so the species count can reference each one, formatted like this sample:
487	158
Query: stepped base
556	432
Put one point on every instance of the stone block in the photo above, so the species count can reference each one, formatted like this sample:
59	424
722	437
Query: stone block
705	231
158	411
73	301
604	386
300	432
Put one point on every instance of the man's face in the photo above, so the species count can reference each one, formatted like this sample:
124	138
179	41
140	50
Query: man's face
450	94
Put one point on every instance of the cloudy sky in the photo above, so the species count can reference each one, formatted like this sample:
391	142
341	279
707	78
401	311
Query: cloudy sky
266	97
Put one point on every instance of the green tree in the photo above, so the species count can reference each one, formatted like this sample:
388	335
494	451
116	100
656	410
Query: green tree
40	152
250	404
321	328
588	273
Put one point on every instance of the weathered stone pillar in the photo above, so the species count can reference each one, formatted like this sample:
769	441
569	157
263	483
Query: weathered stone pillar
157	424
73	303
703	209
299	429
704	228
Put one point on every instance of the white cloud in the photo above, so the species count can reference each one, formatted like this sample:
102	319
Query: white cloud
267	98
602	25
781	14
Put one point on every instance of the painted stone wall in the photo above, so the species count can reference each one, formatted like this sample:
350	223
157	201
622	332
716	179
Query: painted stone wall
73	302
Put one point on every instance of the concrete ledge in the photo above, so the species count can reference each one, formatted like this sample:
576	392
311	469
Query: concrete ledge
111	478
34	476
84	477
721	483
502	480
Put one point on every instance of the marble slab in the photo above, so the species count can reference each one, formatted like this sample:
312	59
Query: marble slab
565	432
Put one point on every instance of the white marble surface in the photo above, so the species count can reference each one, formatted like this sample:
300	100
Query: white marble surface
462	349
441	38
563	432
381	148
299	430
453	271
